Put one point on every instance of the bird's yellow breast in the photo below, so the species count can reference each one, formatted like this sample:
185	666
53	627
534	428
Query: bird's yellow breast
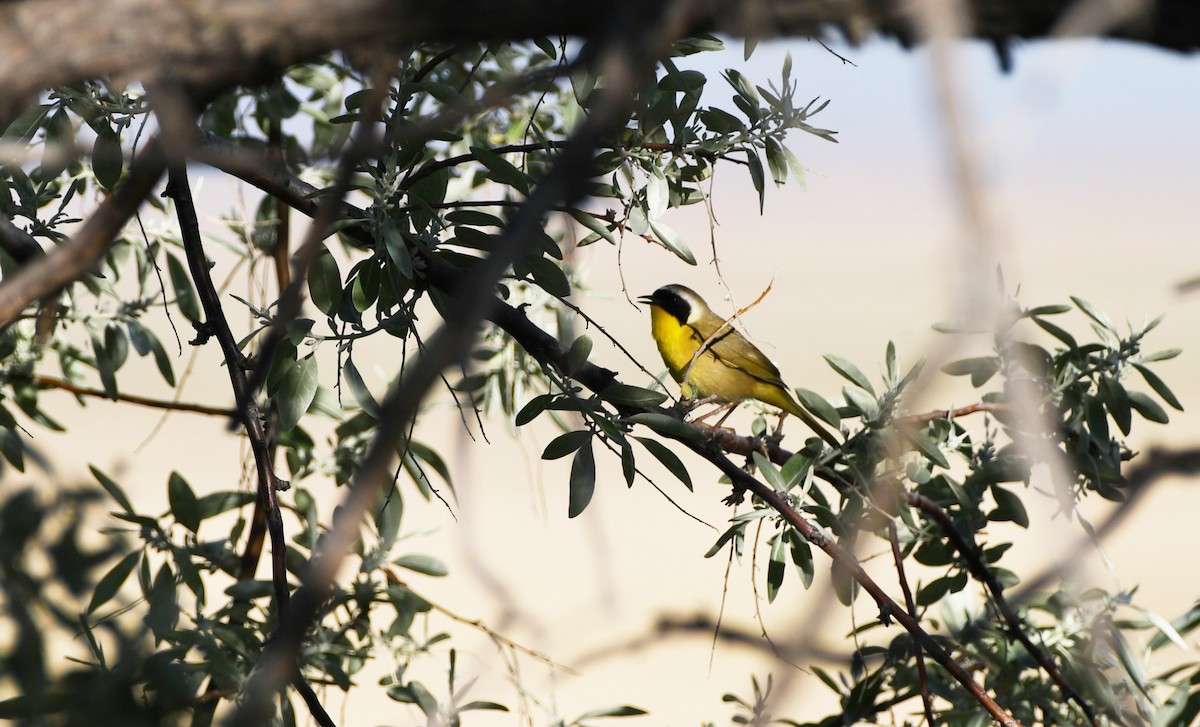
678	342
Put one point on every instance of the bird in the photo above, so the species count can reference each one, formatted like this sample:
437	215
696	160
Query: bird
729	368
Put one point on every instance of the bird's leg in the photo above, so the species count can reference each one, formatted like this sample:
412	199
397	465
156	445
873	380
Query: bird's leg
727	408
731	406
778	433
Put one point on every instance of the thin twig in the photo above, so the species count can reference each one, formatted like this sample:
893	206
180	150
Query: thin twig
611	338
922	677
720	332
481	626
989	407
835	54
49	382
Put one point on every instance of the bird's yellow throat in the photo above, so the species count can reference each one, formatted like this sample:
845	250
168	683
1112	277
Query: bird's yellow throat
676	342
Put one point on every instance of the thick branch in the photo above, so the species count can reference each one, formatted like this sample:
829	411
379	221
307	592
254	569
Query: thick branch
217	44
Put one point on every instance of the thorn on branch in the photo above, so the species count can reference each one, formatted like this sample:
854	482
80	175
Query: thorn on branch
203	333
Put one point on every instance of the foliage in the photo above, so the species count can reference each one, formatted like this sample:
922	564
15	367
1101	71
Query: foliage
928	478
172	620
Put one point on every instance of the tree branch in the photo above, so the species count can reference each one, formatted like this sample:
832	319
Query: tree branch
251	418
218	44
49	382
887	607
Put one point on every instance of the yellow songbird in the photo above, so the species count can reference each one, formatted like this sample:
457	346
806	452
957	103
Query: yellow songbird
729	369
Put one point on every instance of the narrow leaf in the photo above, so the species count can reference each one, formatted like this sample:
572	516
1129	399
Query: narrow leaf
802	557
1159	387
668	459
623	711
929	448
1057	332
1009	507
578	354
1094	313
113	580
624	394
1117	399
776	566
667	426
107	157
425	564
1147	407
769	471
594	225
185	294
819	406
565	444
325	283
184	505
673	242
397	249
849	371
112	488
583	480
502	170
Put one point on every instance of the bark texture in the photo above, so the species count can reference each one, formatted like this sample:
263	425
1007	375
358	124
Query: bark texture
215	44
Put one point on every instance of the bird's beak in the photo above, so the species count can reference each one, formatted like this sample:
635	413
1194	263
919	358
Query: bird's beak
647	299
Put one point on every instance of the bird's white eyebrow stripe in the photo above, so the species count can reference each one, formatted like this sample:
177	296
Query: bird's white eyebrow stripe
695	304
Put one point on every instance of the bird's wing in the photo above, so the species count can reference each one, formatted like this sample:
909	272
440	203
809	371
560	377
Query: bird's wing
733	350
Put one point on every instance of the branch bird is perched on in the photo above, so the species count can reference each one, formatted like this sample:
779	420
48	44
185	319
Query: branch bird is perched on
729	369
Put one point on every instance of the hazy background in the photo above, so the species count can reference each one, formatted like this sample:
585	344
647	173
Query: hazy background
1091	161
